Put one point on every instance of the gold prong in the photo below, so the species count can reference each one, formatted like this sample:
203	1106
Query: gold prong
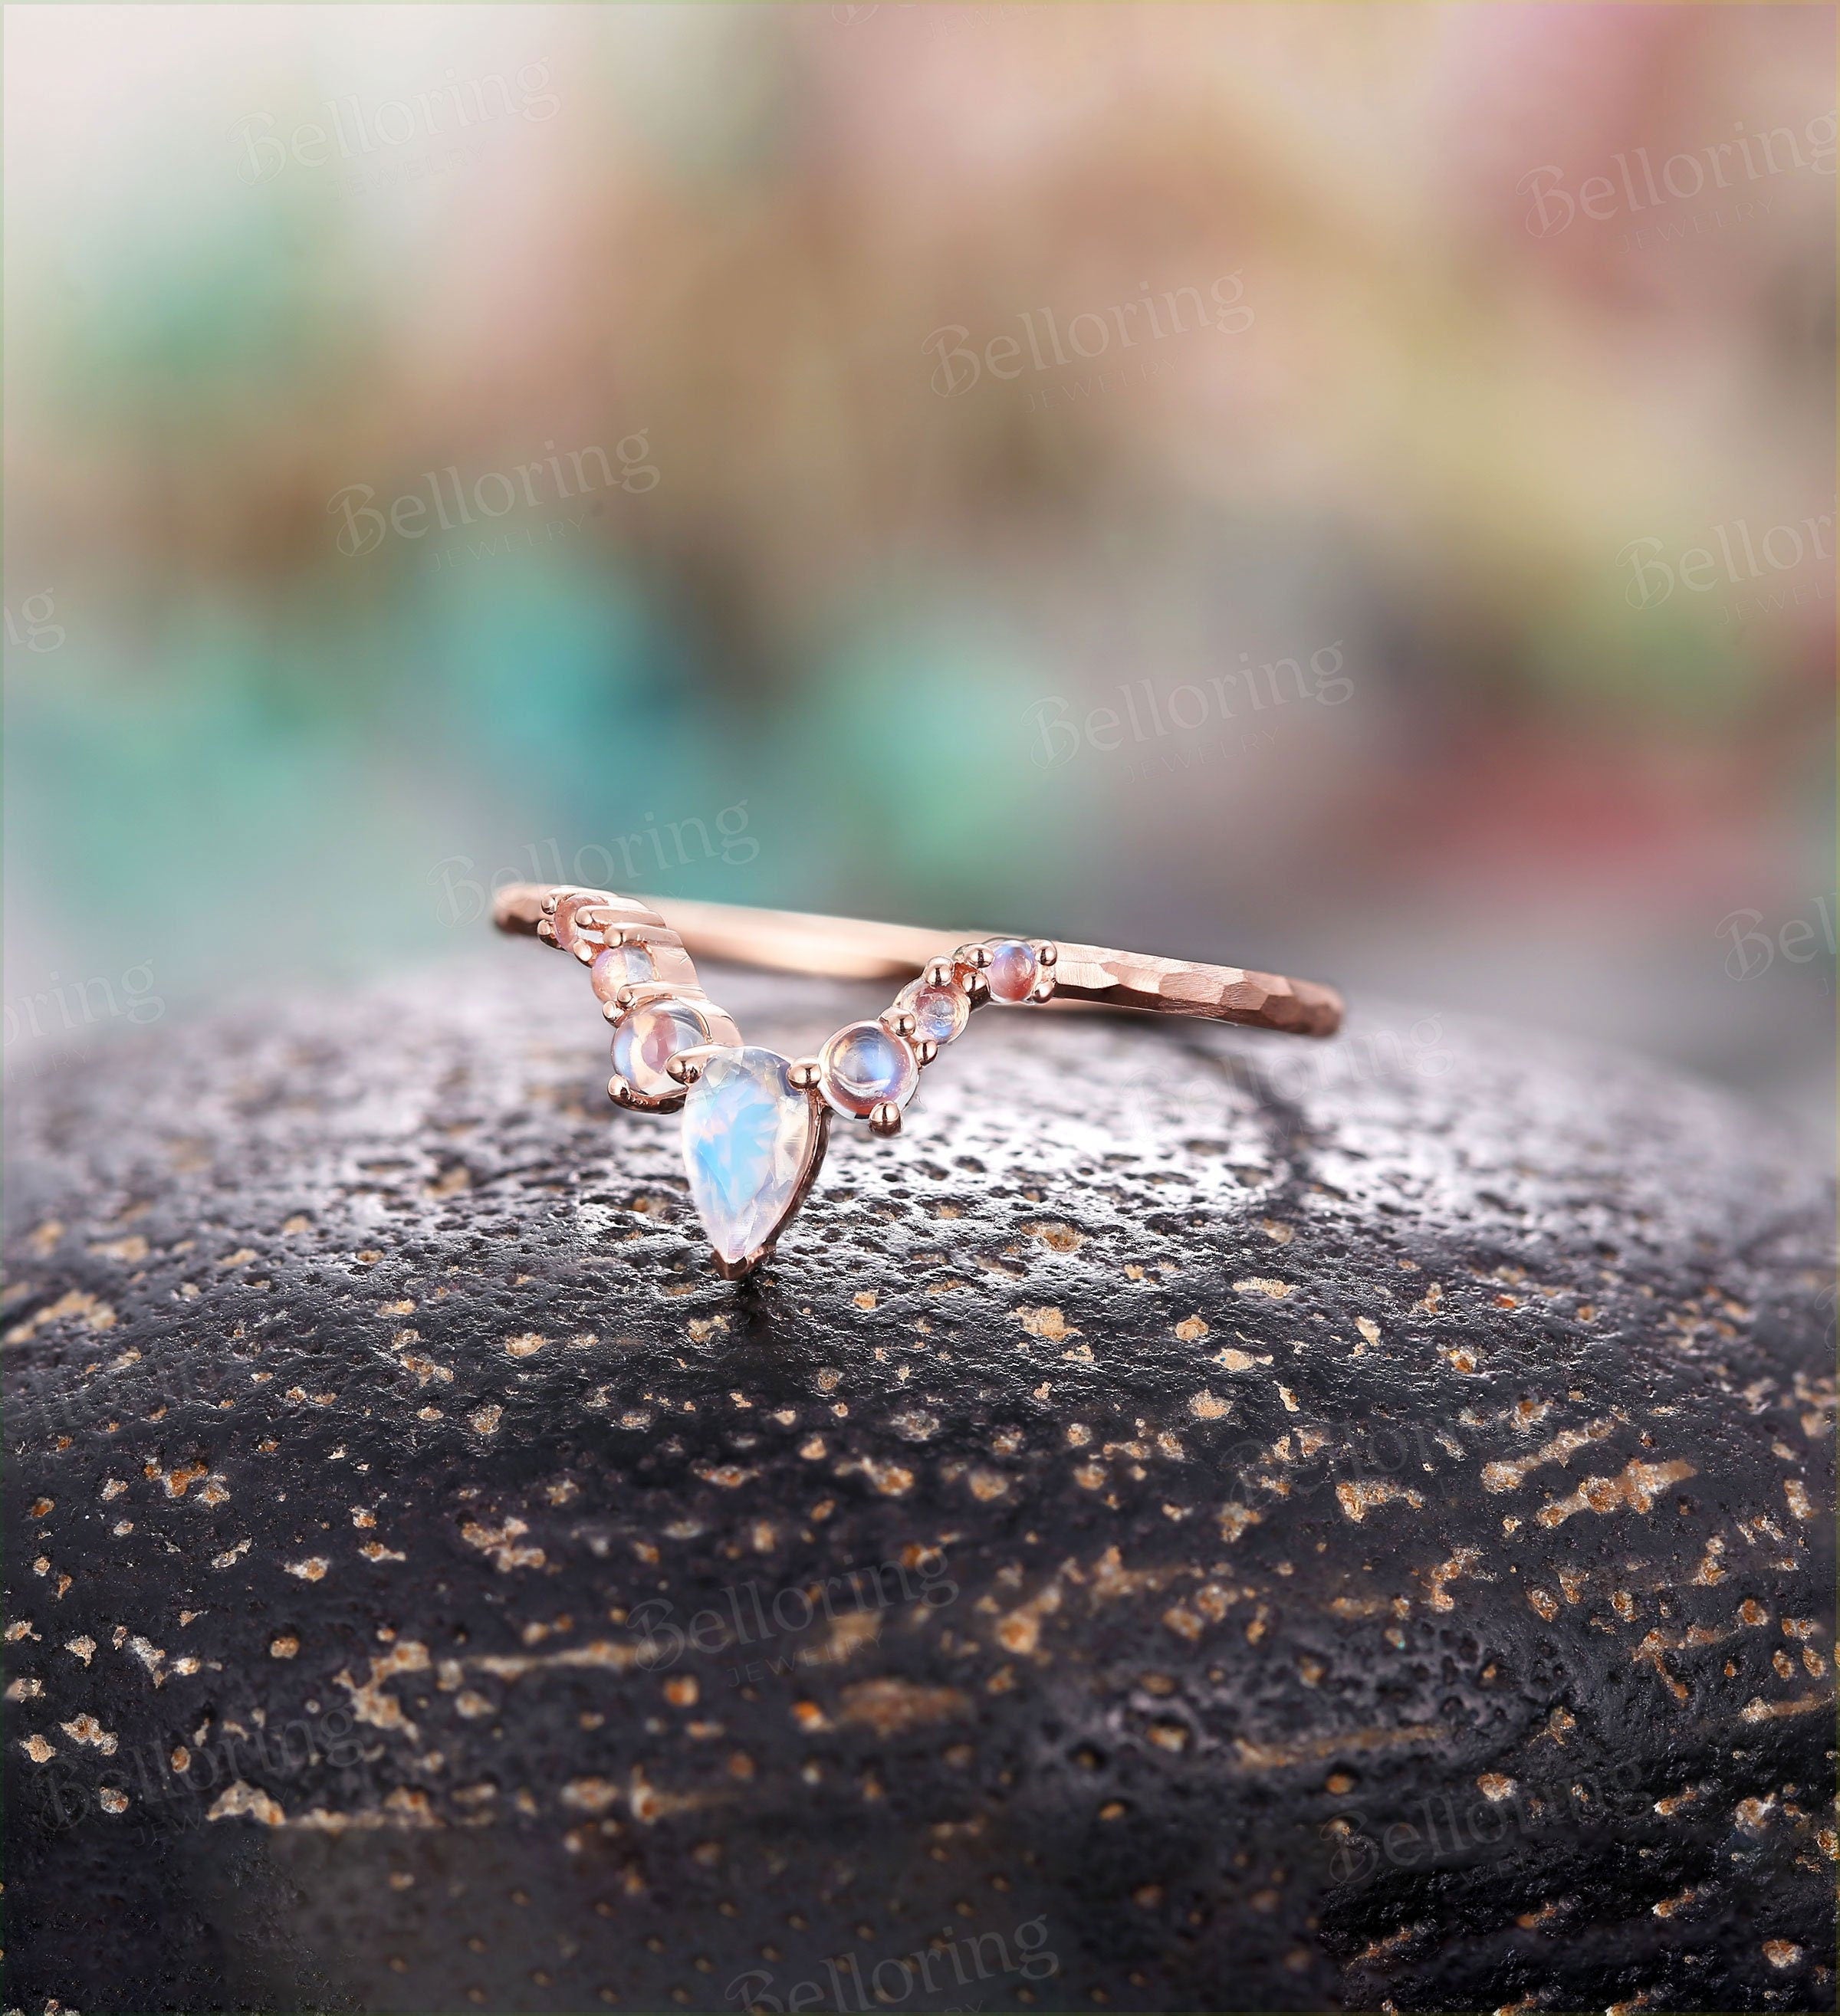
611	1011
938	972
620	1091
546	929
550	901
624	999
884	1118
977	989
684	1069
805	1073
1046	951
926	1050
903	1021
1043	990
977	956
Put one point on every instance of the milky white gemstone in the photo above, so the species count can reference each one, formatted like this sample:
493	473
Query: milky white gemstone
942	1012
864	1065
616	966
649	1037
750	1136
1013	971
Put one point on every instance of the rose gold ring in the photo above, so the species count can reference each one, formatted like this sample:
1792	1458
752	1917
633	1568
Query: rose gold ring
755	1123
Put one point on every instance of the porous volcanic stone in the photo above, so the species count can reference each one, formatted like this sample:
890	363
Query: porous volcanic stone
1199	1522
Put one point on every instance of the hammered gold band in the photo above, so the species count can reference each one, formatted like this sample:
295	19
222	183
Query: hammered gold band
755	1123
850	948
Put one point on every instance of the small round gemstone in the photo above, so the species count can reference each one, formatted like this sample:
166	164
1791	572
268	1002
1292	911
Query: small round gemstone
942	1012
616	966
567	936
650	1036
1013	971
863	1065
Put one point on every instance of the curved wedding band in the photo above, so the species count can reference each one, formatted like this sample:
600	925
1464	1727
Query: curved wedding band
755	1123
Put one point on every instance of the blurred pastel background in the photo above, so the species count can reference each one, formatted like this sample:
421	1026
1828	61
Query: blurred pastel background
1346	489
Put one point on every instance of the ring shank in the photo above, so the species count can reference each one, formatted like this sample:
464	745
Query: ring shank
851	949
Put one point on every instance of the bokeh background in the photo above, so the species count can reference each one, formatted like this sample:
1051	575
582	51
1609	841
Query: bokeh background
756	446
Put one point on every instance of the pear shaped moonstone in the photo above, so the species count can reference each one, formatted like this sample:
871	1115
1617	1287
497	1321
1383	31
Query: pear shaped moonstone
750	1138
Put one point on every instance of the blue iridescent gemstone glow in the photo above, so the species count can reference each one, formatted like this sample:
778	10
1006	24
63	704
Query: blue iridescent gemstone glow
749	1135
865	1064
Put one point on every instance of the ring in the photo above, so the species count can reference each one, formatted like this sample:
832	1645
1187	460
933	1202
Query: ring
754	1123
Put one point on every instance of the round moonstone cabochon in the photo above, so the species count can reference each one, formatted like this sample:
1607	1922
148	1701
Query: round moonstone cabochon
650	1036
942	1012
615	966
863	1065
1013	970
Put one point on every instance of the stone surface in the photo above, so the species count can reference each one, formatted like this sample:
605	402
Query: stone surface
1263	1525
749	1135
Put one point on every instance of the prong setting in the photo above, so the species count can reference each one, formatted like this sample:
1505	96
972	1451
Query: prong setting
1013	970
674	1049
865	1066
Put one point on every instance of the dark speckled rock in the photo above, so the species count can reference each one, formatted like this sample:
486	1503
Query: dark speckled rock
1198	1523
